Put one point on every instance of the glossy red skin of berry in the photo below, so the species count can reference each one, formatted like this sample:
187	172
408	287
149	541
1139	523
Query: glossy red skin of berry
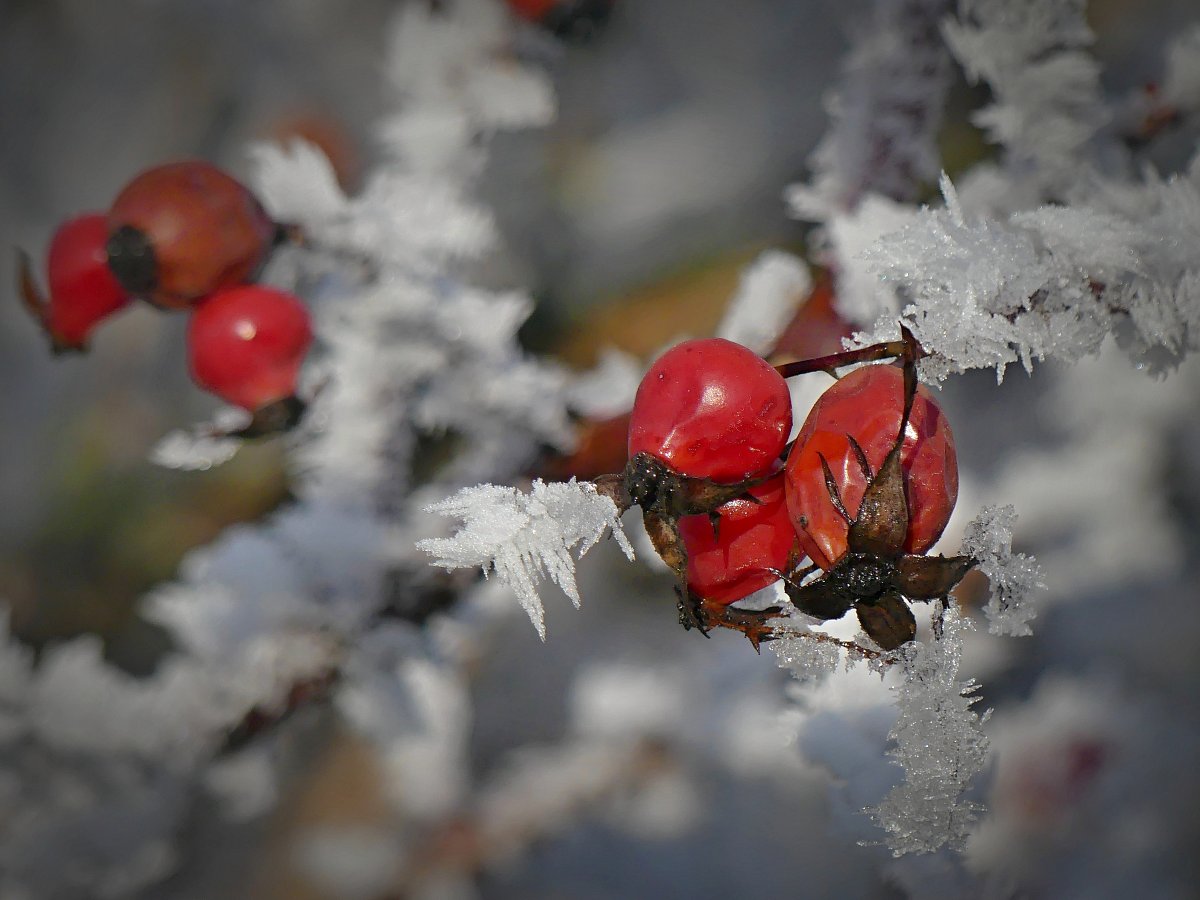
711	409
246	344
751	537
206	229
82	289
868	404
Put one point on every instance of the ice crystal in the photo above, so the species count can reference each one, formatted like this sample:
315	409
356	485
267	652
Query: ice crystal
939	742
796	650
525	537
296	183
886	113
1014	577
1046	87
201	446
1047	283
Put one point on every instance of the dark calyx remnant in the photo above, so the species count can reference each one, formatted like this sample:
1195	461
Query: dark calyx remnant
131	259
273	418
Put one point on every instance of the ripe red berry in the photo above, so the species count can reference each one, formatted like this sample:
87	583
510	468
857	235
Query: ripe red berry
751	538
711	409
867	405
180	231
82	289
246	344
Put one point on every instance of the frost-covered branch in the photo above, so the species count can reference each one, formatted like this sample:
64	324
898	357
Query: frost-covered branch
1014	577
885	113
1034	56
526	537
939	742
1052	282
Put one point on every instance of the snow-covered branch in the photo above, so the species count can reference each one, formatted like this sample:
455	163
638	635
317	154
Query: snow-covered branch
526	537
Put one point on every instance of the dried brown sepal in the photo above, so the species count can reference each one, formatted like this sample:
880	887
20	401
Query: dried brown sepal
930	577
38	306
613	487
664	535
882	522
751	623
835	496
664	496
818	601
691	614
273	418
651	484
760	626
888	621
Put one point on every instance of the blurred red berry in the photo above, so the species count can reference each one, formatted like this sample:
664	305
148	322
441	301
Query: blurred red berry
246	345
751	538
83	291
180	231
817	328
711	409
867	405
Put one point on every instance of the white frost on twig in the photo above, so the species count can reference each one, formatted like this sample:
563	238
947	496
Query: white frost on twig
1034	56
296	182
1014	576
1049	283
885	112
940	744
526	537
201	446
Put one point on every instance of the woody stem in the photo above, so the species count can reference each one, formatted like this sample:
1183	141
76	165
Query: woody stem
886	350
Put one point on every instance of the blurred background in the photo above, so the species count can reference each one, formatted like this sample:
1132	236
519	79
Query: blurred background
630	219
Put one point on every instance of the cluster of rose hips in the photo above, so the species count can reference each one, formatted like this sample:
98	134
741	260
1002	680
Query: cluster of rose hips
183	235
862	492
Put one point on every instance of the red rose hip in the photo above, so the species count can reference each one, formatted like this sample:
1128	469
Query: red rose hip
246	344
867	404
83	291
751	538
711	409
180	231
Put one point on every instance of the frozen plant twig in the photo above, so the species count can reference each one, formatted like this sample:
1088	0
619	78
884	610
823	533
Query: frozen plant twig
526	537
1014	576
1051	282
940	744
886	113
